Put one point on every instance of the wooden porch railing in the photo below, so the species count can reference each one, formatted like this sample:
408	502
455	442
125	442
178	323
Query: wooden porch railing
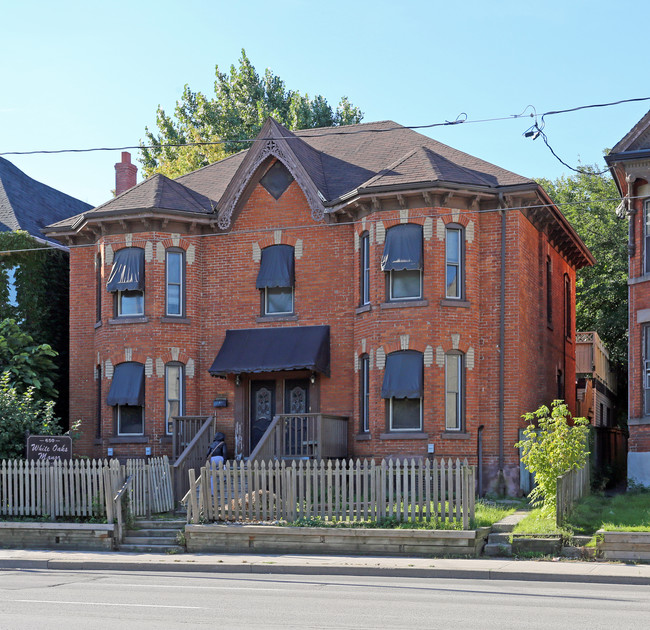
308	436
194	434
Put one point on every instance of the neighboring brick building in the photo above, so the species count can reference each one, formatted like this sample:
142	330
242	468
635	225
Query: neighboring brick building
629	162
354	271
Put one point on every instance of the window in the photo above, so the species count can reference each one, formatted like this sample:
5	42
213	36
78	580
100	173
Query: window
365	268
454	246
99	405
646	370
568	320
126	281
454	394
126	396
276	279
549	291
364	390
402	259
646	237
173	393
98	288
403	388
175	283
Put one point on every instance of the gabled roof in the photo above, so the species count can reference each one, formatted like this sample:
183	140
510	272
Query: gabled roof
636	139
26	204
158	192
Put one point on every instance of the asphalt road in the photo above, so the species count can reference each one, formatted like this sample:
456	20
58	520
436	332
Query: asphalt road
44	599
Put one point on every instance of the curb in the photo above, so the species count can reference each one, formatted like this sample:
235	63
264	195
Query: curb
261	568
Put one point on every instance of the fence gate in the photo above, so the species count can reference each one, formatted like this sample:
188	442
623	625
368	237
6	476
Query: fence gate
151	486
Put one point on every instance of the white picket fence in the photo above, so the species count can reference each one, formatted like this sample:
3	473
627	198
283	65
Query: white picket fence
83	488
337	490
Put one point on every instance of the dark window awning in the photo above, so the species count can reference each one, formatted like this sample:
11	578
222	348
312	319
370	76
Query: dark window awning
127	387
403	376
403	248
276	267
127	273
273	350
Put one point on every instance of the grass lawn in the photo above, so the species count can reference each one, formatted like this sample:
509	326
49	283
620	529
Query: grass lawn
623	512
486	514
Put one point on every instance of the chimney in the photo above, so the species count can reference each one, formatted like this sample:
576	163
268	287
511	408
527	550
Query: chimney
125	174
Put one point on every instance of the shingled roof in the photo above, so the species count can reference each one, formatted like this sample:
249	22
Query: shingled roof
338	161
26	204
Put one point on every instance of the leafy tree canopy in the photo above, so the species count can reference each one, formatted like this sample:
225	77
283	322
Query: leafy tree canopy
25	363
242	102
589	202
21	412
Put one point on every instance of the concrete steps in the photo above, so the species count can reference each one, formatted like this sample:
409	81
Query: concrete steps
498	543
154	536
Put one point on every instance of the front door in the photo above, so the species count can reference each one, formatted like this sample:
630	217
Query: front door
262	409
299	440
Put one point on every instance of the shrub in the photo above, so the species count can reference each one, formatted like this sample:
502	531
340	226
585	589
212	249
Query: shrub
551	447
21	412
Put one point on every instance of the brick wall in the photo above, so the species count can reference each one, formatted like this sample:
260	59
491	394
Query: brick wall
221	270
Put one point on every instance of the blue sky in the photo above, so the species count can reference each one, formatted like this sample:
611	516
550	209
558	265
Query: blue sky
82	74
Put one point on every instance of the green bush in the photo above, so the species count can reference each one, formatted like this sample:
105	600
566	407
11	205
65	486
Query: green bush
21	412
551	447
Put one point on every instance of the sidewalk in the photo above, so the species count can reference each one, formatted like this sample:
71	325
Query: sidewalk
482	568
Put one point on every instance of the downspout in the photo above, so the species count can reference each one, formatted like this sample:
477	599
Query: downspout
502	338
479	458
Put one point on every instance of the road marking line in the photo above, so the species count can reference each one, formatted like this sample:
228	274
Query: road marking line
50	601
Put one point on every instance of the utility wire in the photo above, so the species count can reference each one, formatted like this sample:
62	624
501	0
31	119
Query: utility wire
462	119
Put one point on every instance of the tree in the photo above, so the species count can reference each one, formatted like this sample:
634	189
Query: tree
26	364
243	101
20	413
589	202
40	309
552	447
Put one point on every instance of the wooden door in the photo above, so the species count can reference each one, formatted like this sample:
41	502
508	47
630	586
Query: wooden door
262	409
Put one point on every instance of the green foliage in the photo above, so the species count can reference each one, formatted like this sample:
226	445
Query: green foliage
243	101
589	202
21	412
552	447
26	363
42	288
538	522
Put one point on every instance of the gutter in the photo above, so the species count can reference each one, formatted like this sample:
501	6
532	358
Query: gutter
502	337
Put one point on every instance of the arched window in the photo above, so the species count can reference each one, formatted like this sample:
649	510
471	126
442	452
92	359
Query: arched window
402	262
126	281
403	390
174	393
276	280
454	262
175	282
454	391
364	259
364	393
126	396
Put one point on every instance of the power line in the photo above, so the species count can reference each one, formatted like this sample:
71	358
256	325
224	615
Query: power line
461	119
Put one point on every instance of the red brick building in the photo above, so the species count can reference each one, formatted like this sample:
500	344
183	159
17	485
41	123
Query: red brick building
367	272
629	162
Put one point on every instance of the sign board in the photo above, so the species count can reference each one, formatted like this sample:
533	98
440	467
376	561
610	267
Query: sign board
49	447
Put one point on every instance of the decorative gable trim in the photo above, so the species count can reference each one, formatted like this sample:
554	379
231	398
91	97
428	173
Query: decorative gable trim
270	144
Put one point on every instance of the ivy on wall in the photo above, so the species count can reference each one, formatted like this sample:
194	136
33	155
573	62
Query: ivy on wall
42	282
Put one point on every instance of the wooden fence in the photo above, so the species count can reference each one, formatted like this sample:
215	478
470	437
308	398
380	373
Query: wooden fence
570	488
83	488
333	491
60	488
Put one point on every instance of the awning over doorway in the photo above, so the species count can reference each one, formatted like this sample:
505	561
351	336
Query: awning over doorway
273	350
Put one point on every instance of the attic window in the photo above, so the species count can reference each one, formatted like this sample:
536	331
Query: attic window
276	180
